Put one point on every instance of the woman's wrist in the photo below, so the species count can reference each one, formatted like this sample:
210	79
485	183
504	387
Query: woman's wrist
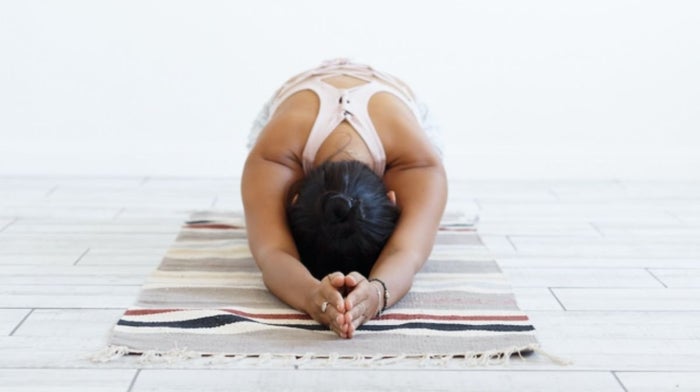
380	295
383	294
312	290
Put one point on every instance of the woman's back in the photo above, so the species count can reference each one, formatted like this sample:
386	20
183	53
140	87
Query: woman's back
336	117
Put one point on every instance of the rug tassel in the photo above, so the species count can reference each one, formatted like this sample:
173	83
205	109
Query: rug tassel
217	359
109	354
301	361
332	359
555	359
264	359
171	356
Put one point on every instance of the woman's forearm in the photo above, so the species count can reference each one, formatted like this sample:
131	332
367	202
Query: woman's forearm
422	194
397	273
287	279
292	283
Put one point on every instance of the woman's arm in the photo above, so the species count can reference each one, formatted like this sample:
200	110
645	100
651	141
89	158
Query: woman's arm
266	179
416	174
421	194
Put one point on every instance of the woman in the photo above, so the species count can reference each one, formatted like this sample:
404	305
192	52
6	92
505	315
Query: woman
343	191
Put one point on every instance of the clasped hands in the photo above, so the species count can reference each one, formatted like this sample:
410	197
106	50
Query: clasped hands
344	302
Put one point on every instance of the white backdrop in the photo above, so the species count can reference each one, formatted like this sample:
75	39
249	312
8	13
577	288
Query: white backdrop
523	89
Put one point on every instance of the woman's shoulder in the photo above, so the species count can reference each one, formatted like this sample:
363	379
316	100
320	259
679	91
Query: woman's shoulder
282	139
405	141
414	151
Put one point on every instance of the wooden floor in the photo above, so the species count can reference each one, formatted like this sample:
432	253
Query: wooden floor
609	271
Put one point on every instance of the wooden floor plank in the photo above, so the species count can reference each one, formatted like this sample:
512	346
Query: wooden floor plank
40	211
109	257
641	325
5	223
96	228
89	324
660	381
39	352
678	277
623	210
498	245
67	296
679	233
42	275
10	319
40	256
49	380
624	299
601	262
580	277
589	247
494	227
98	240
366	380
535	299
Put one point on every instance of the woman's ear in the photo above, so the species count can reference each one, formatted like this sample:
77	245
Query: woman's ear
294	199
392	196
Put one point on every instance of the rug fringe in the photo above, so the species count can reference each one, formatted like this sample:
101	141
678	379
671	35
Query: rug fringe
171	356
554	358
469	359
109	354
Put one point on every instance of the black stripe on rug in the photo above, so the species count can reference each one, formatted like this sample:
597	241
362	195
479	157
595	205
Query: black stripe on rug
221	320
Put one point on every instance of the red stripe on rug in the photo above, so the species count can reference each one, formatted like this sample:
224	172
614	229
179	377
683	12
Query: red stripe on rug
143	312
212	226
268	316
404	316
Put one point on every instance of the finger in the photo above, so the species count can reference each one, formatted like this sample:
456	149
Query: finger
350	331
353	279
358	293
362	303
336	323
335	310
355	324
355	318
333	295
336	279
338	332
330	317
357	312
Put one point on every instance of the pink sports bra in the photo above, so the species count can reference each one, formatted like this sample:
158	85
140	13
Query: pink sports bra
338	105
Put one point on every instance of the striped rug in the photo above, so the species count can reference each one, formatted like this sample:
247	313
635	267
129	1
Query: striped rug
207	298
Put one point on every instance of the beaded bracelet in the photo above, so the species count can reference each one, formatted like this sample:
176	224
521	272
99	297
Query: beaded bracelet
386	294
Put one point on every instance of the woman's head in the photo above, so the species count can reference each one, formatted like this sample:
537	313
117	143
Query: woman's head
341	217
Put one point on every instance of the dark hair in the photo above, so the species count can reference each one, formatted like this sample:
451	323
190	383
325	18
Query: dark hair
341	218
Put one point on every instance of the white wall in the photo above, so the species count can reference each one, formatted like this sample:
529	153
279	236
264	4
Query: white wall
523	89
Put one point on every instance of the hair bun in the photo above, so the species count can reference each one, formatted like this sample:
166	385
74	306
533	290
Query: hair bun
337	207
